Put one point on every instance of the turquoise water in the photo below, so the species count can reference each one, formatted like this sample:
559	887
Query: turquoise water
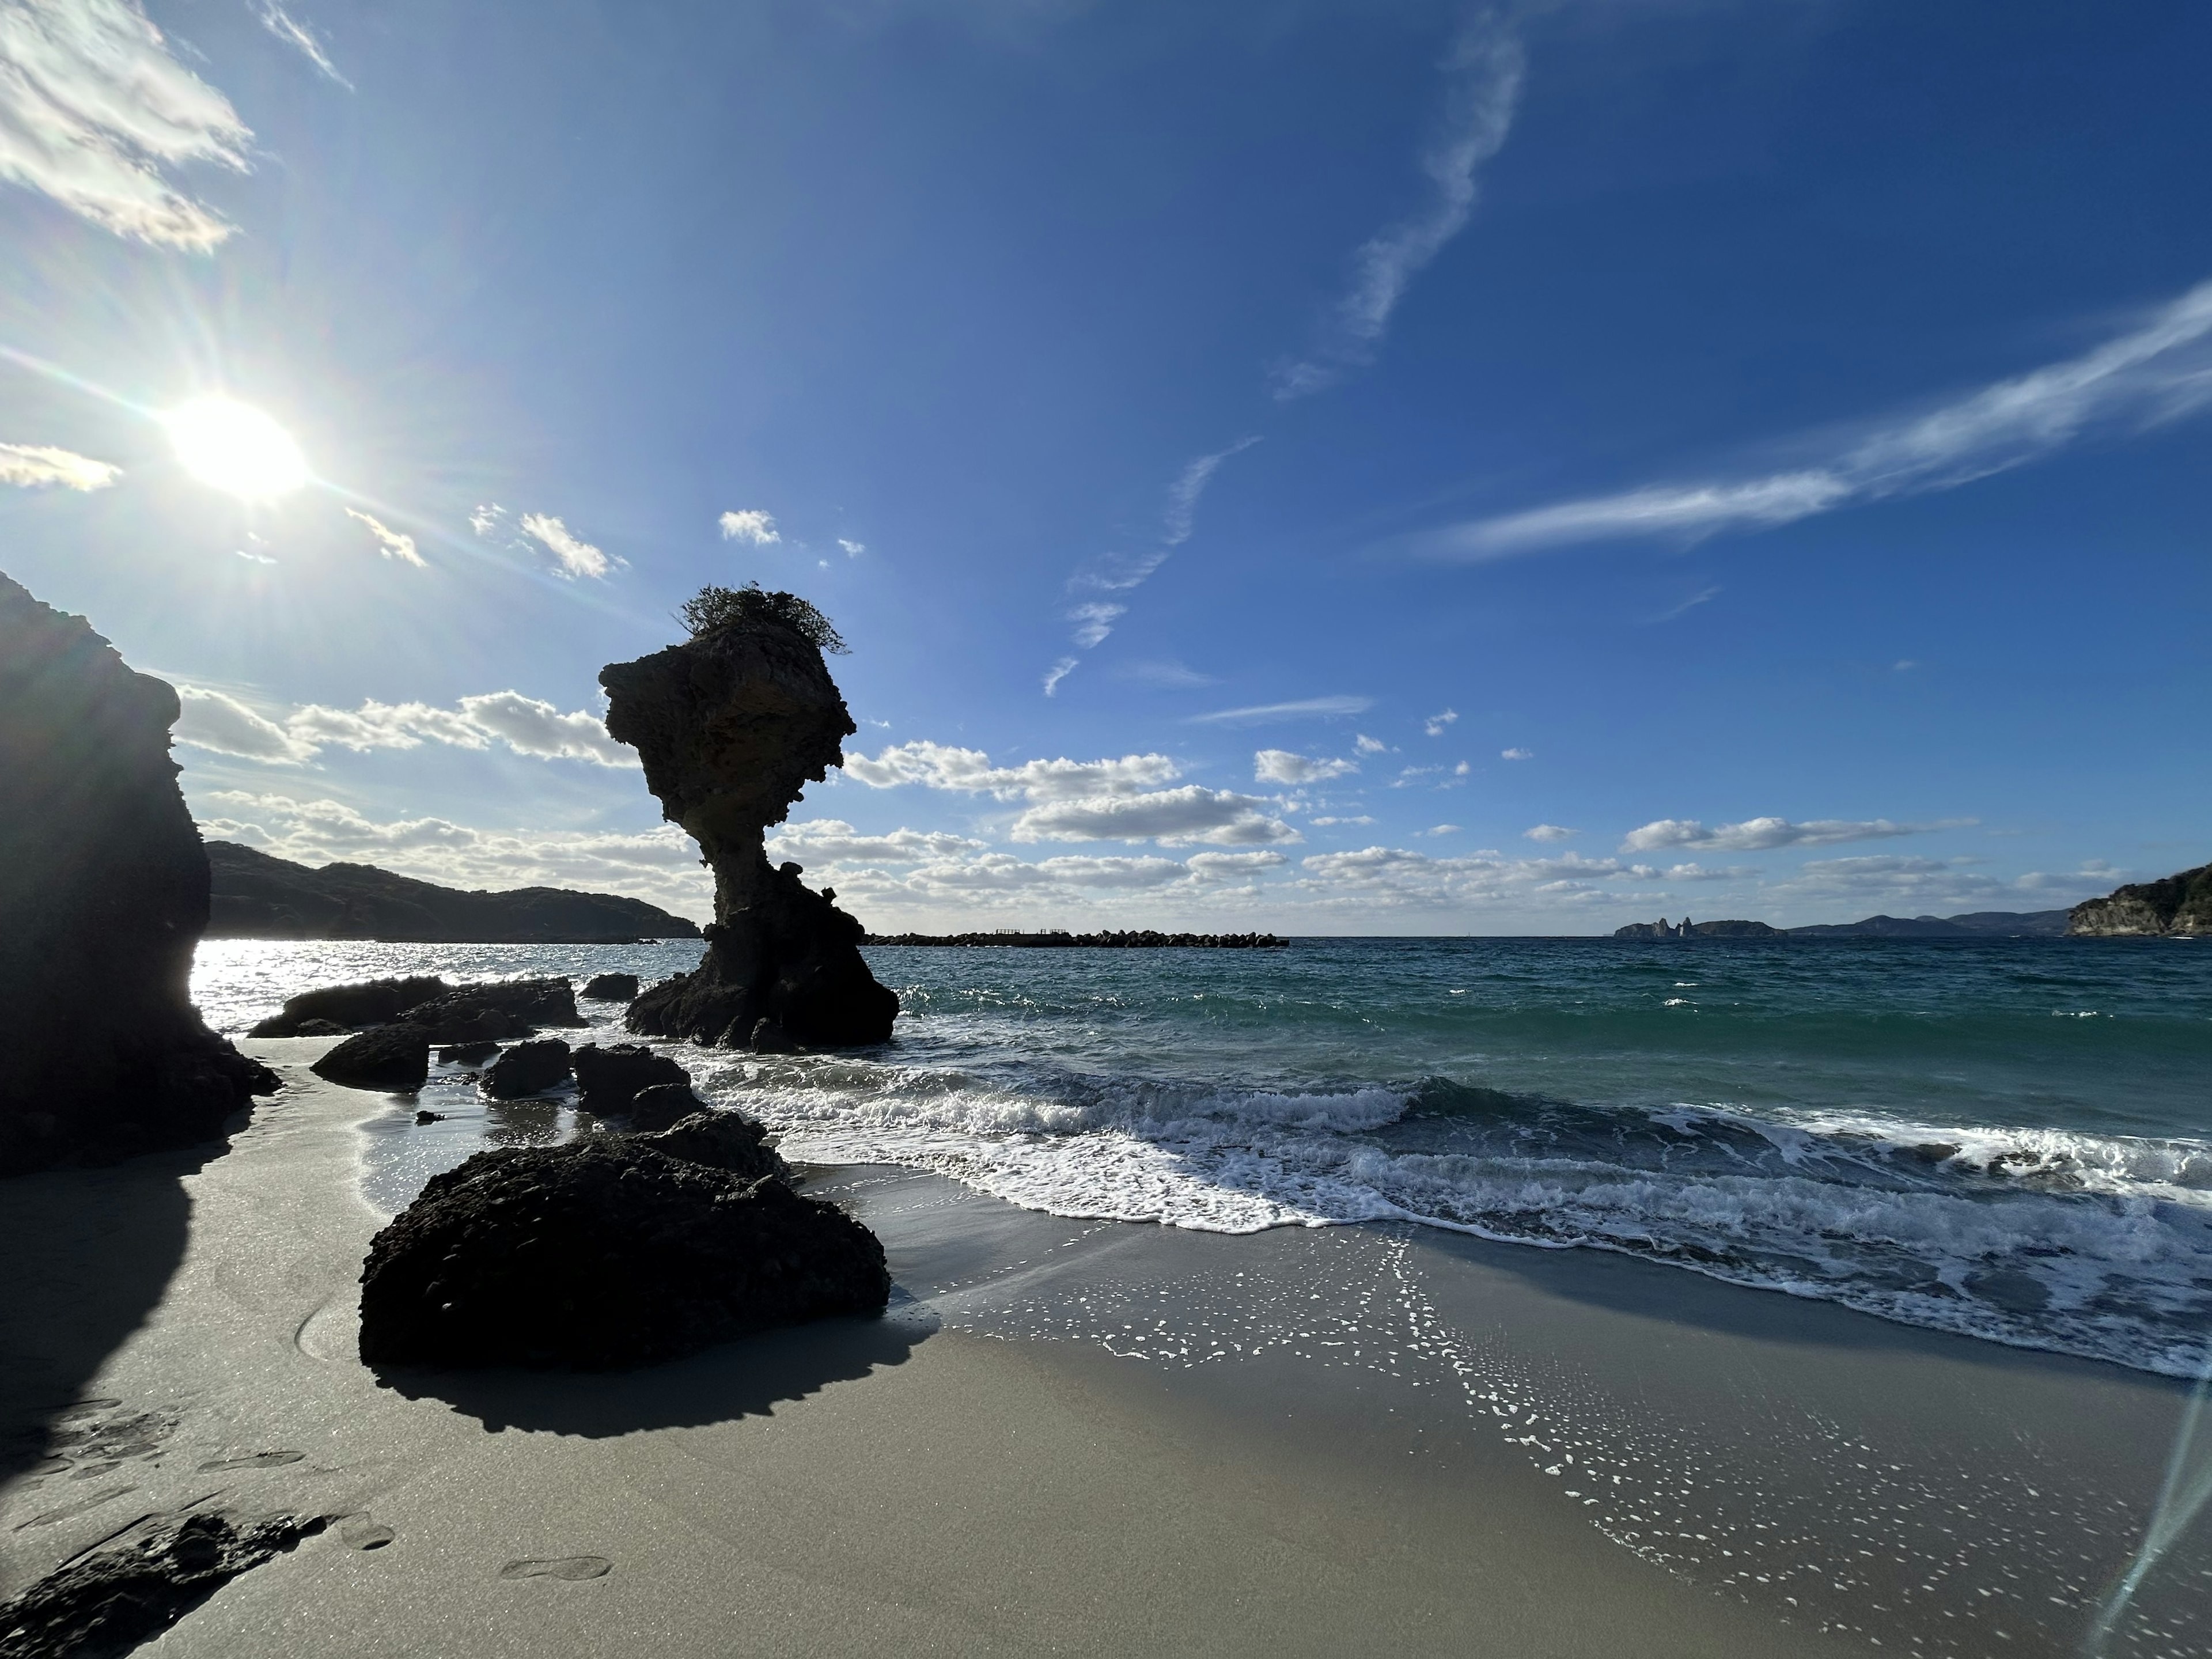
2008	1139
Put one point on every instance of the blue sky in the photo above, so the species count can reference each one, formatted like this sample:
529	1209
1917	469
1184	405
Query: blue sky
1380	467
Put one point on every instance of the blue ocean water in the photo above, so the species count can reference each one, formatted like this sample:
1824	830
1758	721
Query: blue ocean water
2007	1138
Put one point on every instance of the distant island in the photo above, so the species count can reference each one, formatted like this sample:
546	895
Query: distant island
1975	924
258	896
1144	940
2180	906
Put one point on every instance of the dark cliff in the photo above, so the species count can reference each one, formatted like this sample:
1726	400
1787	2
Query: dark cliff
2178	907
103	895
730	725
257	897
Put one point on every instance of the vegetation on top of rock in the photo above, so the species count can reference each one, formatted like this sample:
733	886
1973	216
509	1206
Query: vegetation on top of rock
744	610
2179	906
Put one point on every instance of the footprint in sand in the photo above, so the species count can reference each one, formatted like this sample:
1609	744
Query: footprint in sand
363	1534
563	1566
252	1460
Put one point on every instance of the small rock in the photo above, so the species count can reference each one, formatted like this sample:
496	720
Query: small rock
769	1038
610	1077
611	988
429	1117
527	1068
466	1054
392	1057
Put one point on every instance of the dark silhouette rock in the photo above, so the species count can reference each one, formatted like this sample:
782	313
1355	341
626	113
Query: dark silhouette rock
660	1107
609	1079
348	1007
527	1068
129	1590
608	1251
103	895
393	1058
730	725
315	1028
497	1008
611	988
729	1141
466	1054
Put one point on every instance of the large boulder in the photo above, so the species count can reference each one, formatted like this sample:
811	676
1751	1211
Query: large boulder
376	1002
527	1068
610	987
497	1008
660	1107
731	726
103	898
393	1058
608	1251
609	1079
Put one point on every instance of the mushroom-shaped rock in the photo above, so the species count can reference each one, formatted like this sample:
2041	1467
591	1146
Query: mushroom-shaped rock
730	725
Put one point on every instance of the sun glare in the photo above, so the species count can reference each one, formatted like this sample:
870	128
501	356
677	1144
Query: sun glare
235	448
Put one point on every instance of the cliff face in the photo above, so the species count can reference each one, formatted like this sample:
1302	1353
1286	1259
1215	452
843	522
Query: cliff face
731	726
2180	905
103	895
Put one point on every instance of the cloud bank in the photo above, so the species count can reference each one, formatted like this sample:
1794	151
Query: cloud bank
1758	835
35	466
214	721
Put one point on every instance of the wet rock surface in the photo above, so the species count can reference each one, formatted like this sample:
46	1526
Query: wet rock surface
130	1591
610	987
103	890
527	1068
396	1058
729	1141
660	1107
372	1002
731	726
613	1250
609	1079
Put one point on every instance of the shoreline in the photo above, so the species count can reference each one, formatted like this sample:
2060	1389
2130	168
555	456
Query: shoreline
1035	1452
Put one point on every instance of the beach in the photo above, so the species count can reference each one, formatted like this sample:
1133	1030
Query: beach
1066	1436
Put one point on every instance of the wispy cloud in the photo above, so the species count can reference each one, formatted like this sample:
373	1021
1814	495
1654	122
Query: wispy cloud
215	722
853	550
1171	817
1548	832
2157	372
1483	73
1182	495
1282	766
1758	835
1435	725
1177	675
755	526
1306	708
34	466
572	556
295	34
1096	621
93	108
390	541
1059	672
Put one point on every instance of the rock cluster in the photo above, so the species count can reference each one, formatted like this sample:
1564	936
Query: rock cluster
613	1250
730	725
2178	907
103	896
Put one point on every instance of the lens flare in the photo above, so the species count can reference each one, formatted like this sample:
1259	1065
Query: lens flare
235	447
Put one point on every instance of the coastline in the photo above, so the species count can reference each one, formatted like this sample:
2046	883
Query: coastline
1033	1452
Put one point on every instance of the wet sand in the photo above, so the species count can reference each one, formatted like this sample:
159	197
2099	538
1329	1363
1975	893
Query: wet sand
1068	1438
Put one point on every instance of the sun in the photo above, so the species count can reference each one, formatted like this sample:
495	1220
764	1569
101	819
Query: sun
235	448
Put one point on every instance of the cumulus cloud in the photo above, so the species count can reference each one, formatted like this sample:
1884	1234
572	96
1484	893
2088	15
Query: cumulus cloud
759	528
295	34
969	771
1549	832
525	725
1281	766
390	541
225	726
1265	712
1363	744
35	466
1484	74
572	556
1171	817
853	550
1510	754
2156	373
93	109
1437	723
835	840
1758	835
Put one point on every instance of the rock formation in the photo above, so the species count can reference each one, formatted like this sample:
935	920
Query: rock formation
611	1250
730	725
103	898
393	1058
464	1013
527	1068
610	987
2180	906
608	1079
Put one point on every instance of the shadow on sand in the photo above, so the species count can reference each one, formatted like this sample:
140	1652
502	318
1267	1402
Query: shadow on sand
748	1377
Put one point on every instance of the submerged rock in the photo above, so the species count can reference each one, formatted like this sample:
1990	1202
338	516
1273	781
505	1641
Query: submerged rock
393	1058
610	987
610	1251
730	725
103	898
375	1002
527	1068
609	1079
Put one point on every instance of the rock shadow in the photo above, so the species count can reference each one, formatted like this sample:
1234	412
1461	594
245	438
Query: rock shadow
747	1377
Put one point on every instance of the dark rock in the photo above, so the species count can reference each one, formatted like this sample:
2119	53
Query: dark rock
394	1058
729	1141
348	1007
2180	905
611	988
498	1008
466	1054
661	1106
731	726
315	1028
604	1252
128	1591
527	1068
429	1117
767	1038
609	1079
103	898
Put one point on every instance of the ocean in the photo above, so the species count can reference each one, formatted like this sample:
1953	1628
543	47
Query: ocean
2008	1140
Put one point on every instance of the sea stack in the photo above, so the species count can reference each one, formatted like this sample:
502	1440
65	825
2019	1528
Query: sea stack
731	725
103	898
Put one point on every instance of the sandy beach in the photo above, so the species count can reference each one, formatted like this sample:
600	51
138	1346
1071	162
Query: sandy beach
1067	1437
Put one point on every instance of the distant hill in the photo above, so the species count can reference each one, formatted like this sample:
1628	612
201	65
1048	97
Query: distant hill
1975	924
2180	906
257	897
